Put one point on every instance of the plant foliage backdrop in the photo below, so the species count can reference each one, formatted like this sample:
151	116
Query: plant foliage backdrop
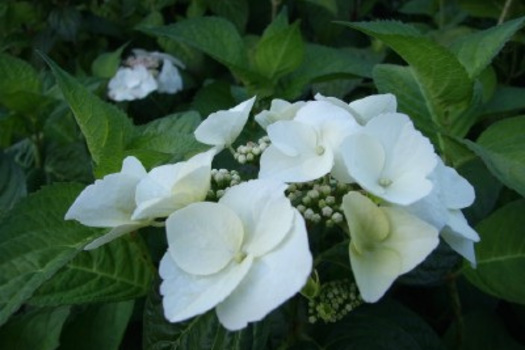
96	96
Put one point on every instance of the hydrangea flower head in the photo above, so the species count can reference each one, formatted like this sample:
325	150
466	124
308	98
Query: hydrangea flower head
140	76
229	255
391	159
307	147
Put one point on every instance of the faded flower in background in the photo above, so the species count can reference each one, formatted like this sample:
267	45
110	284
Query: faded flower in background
143	73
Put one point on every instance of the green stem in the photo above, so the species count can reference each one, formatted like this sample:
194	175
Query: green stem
456	308
504	12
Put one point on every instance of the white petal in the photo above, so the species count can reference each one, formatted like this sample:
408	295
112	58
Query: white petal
109	202
131	84
273	279
223	127
169	79
186	295
112	235
455	191
335	101
378	258
410	236
279	110
364	158
172	186
304	167
430	209
408	188
367	224
371	106
265	212
293	138
406	148
374	272
204	237
460	236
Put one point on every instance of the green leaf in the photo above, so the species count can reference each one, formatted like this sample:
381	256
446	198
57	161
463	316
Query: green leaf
203	332
17	75
12	182
487	189
96	327
506	99
322	62
168	139
68	162
434	269
401	81
213	97
106	64
476	51
215	36
502	148
105	127
481	330
36	329
443	79
36	241
501	254
235	11
279	52
93	276
384	325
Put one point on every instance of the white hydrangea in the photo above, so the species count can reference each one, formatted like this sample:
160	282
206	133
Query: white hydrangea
229	255
307	147
140	76
390	159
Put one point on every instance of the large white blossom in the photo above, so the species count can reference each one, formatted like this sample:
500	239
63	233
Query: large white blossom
141	76
386	242
110	202
390	159
221	129
245	255
170	187
442	208
307	147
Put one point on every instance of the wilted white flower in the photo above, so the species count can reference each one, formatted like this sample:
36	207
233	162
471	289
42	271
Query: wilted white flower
131	84
140	76
222	128
110	202
243	256
390	159
386	242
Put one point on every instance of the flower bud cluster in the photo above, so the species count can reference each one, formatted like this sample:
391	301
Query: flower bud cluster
319	201
222	179
251	152
334	301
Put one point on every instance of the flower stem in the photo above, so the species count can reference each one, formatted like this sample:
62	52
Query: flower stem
504	12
